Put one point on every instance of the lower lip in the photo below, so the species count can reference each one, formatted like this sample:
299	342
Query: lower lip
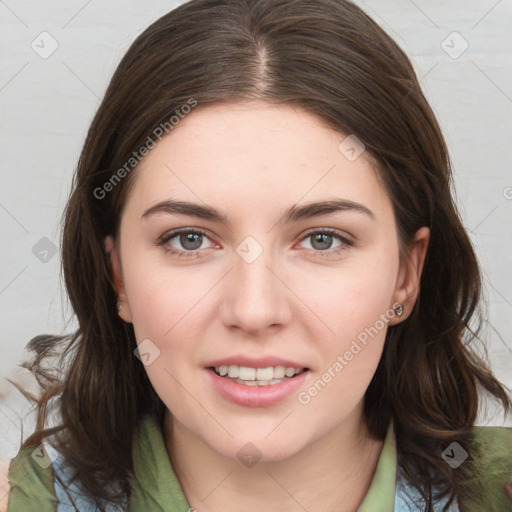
256	396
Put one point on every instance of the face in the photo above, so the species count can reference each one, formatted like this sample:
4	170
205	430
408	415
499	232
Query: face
259	286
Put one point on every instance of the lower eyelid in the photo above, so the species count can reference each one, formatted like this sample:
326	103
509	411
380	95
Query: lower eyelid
332	252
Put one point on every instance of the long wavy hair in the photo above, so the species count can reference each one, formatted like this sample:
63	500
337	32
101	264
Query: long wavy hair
330	58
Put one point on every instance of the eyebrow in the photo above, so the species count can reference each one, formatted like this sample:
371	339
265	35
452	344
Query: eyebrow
292	214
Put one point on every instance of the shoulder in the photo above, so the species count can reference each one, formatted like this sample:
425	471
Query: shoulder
492	434
490	467
31	481
492	450
41	479
488	463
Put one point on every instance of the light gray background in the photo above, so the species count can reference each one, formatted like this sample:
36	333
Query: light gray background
47	104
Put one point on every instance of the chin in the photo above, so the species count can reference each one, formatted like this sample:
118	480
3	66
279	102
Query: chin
259	446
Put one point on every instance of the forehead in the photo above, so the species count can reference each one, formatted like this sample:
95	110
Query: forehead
255	154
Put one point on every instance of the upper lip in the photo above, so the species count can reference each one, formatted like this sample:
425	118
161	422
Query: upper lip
255	362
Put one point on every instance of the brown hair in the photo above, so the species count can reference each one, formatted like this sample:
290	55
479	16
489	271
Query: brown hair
330	58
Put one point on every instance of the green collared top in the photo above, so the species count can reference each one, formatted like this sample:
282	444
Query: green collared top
156	488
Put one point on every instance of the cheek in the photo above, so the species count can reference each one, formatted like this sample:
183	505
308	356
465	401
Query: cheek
163	312
344	301
349	357
169	308
354	306
162	300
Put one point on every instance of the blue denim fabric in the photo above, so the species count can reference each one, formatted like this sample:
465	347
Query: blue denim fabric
70	498
407	498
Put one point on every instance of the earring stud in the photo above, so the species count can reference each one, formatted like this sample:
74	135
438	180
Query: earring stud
119	307
399	309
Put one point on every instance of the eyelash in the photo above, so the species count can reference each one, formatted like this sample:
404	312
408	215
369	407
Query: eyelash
164	239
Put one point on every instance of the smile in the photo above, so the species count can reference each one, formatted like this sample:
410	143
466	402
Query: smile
248	376
256	387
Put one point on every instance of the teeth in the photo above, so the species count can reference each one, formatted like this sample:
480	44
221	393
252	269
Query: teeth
264	373
258	376
279	372
245	373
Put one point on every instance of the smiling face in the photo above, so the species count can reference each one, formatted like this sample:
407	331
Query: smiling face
257	285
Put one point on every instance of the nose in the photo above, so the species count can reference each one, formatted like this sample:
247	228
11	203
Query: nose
255	297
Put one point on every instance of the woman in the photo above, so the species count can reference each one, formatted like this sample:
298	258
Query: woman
274	290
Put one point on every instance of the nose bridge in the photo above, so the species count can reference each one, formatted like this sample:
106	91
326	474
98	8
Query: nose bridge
256	297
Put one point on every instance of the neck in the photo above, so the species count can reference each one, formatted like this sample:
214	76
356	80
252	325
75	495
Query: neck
331	473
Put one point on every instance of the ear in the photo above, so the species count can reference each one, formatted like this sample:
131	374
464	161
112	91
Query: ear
117	277
409	275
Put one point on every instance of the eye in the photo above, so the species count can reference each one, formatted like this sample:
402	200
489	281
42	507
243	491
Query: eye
322	240
183	242
187	242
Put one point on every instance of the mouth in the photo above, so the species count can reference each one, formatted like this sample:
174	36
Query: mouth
248	376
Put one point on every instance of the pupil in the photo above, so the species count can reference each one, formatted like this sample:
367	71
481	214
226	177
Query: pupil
324	244
193	238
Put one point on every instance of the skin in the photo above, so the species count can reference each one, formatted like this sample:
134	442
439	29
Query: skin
253	161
